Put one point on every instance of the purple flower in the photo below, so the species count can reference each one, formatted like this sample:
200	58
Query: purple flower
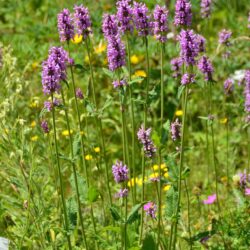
150	209
82	20
120	83
248	20
210	199
48	105
120	172
45	126
144	137
176	66
116	53
224	37
160	23
244	179
122	193
56	102
183	13
65	25
206	68
142	19
228	86
79	93
206	8
187	79
189	46
247	191
175	130
247	91
125	16
201	43
109	26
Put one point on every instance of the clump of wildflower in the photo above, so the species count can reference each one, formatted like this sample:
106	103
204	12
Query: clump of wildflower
109	26
144	137
45	126
244	178
206	8
247	93
65	25
224	37
206	68
201	41
125	16
160	23
120	83
187	79
175	130
150	209
142	19
82	21
120	172
247	191
183	13
189	46
122	193
228	86
176	64
48	105
210	199
79	94
116	53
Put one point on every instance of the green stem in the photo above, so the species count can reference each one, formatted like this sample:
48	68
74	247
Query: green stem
188	210
74	172
66	223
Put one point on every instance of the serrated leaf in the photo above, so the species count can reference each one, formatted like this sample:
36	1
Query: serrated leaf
76	145
115	214
72	212
92	194
133	215
171	202
148	243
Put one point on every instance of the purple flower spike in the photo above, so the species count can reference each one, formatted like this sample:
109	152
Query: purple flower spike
183	13
248	20
176	67
189	46
122	193
247	191
142	19
210	199
120	83
187	79
144	137
150	209
247	92
125	16
45	126
201	43
120	172
82	21
116	53
48	105
79	94
206	68
228	86
160	23
65	25
224	37
175	130
206	8
109	26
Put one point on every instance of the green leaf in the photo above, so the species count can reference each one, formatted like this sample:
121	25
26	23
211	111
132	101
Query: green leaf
72	212
133	215
148	243
112	229
76	146
185	173
67	84
108	73
156	139
171	203
92	194
115	214
203	117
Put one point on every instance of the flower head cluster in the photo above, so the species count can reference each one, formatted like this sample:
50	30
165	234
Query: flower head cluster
201	43
206	8
175	130
116	52
160	23
120	83
205	66
183	13
79	94
187	79
45	126
142	19
82	21
65	25
150	209
176	64
125	16
120	172
210	199
244	179
247	92
224	37
189	46
248	20
123	192
228	86
109	26
144	137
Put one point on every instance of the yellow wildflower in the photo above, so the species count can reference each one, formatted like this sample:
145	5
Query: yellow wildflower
66	132
33	124
224	120
34	138
52	235
139	182
100	48
88	157
223	179
6	131
77	39
166	188
140	73
134	59
155	167
153	175
132	182
34	104
163	167
178	112
97	149
34	65
86	59
166	175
